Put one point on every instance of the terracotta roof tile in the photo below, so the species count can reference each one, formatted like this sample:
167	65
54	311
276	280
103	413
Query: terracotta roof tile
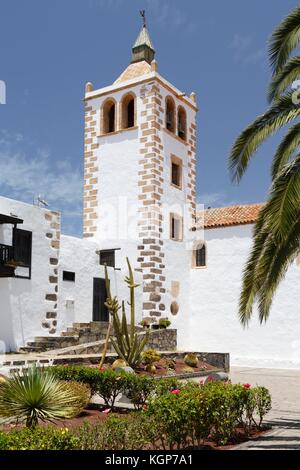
230	215
134	70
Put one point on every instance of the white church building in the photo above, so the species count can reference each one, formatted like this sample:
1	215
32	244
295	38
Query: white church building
140	202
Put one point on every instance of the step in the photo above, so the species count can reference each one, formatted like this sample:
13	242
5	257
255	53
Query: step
81	325
55	339
28	349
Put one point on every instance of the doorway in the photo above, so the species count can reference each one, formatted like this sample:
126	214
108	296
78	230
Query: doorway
100	312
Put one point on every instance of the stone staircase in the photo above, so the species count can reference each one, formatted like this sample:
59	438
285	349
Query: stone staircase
78	333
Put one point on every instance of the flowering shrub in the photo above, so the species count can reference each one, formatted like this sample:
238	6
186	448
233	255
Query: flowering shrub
39	439
215	410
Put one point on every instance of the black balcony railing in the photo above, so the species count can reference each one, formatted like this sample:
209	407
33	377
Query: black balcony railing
6	253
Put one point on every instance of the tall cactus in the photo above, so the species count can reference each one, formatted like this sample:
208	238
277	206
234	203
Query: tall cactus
113	307
127	343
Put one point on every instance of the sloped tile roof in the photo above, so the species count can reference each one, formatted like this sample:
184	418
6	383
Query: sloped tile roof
227	216
134	70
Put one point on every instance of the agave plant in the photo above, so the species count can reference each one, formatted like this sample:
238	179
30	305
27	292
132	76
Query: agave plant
277	231
35	394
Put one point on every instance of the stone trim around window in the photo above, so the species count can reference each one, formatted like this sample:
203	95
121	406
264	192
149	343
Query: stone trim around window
177	161
198	244
179	219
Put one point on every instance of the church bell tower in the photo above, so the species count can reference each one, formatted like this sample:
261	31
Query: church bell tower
139	173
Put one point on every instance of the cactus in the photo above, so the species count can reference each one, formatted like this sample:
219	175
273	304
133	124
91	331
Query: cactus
191	360
113	307
127	344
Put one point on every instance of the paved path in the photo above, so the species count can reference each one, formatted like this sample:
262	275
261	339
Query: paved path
284	417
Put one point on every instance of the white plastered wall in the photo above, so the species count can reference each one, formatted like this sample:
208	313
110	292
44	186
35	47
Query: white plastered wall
213	314
22	301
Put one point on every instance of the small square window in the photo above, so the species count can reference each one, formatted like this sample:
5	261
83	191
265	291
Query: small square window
107	257
68	276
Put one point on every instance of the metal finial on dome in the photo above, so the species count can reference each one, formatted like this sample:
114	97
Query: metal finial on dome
143	15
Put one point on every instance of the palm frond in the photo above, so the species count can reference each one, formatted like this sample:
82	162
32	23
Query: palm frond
279	114
284	78
286	149
278	259
284	40
251	281
284	200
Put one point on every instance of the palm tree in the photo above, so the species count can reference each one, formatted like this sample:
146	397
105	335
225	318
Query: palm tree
276	238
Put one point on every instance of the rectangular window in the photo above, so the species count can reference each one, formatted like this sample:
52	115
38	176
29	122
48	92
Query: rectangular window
68	276
22	250
176	223
176	171
107	257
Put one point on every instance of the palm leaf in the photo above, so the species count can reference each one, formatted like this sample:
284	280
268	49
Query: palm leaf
284	200
286	149
278	261
283	79
284	40
251	281
280	114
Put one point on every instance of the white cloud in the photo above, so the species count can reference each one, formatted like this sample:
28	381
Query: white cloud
210	199
23	177
167	13
243	49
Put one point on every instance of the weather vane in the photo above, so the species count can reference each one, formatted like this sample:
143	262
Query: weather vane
143	15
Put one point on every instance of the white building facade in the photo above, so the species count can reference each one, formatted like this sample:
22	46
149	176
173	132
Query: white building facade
140	203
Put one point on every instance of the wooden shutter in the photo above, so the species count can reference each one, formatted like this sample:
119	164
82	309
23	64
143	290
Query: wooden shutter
107	257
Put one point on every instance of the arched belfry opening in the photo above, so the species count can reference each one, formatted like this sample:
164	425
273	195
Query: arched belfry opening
108	118
170	114
181	123
128	111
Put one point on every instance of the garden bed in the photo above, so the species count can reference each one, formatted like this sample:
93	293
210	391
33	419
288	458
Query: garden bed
158	413
180	370
96	417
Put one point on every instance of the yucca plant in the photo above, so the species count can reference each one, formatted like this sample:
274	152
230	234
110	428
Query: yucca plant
35	394
277	232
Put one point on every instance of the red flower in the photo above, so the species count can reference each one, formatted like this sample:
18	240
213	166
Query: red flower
246	385
175	392
210	379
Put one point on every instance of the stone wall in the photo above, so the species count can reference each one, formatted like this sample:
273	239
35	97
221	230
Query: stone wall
162	340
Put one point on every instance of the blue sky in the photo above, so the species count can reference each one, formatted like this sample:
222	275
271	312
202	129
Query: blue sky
50	49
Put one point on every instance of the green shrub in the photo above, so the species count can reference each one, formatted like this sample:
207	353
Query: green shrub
110	384
193	413
87	375
39	439
165	386
164	322
263	403
173	415
130	432
139	389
